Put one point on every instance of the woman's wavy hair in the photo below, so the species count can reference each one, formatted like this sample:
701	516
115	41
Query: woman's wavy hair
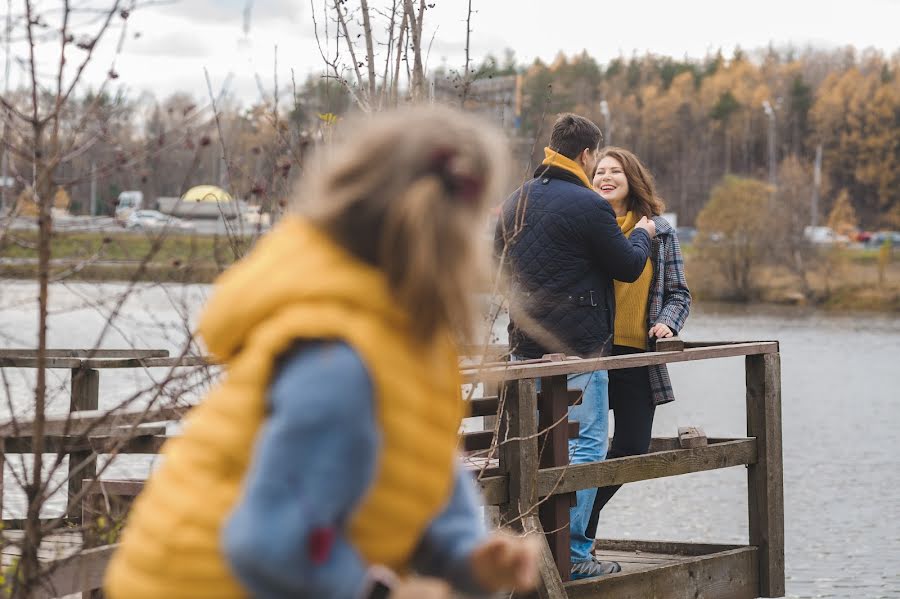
408	192
642	197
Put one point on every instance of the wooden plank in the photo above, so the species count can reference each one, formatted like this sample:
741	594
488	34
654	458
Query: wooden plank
553	410
519	450
618	471
669	344
71	363
68	363
550	585
489	405
484	406
476	440
665	547
670	443
695	344
85	388
691	436
727	575
91	421
518	370
182	362
142	440
79	573
144	444
765	481
86	353
494	490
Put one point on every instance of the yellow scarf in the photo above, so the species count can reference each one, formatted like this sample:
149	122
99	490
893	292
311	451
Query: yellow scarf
554	158
632	299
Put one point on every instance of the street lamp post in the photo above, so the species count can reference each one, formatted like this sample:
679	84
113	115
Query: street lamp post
773	165
4	161
604	110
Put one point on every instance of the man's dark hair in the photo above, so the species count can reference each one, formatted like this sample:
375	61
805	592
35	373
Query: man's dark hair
572	134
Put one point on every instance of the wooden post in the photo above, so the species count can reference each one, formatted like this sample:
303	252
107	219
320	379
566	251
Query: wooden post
489	423
519	448
553	408
519	461
765	484
85	396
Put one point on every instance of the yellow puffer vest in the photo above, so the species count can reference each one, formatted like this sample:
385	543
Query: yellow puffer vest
297	284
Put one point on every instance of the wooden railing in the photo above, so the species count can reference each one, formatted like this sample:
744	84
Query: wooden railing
532	483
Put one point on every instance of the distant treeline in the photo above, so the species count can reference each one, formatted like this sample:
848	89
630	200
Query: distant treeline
693	121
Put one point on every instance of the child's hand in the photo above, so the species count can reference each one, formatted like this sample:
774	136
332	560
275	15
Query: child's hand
417	587
505	562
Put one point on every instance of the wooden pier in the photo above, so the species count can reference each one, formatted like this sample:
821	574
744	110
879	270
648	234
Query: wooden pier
523	470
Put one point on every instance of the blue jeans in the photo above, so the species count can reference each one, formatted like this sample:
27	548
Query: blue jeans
592	415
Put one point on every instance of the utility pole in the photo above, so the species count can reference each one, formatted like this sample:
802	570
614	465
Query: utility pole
4	169
773	165
604	110
817	182
93	189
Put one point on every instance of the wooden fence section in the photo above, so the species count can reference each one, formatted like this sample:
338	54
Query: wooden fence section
529	476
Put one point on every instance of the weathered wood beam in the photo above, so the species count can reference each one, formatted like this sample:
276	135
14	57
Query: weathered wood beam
81	572
566	479
86	353
663	547
516	370
90	421
727	575
765	480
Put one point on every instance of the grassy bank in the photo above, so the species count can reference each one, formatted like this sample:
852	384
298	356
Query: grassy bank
836	279
123	256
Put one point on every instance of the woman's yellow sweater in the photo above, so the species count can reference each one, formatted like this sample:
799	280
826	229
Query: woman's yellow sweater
632	299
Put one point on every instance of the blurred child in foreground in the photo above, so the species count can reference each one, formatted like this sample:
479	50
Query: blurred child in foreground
324	464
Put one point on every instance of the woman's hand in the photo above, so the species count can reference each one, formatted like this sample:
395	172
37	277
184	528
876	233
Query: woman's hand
506	562
660	331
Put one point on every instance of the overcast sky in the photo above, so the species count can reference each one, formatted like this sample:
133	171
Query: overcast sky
176	41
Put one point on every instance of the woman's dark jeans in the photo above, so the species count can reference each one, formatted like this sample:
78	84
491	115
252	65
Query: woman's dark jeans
631	401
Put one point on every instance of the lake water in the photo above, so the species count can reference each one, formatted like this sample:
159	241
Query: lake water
841	424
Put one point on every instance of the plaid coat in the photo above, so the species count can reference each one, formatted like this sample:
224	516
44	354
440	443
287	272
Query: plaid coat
670	300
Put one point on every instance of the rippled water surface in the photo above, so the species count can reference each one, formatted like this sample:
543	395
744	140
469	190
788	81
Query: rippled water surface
841	423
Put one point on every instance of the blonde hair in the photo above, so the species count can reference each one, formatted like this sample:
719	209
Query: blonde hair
407	191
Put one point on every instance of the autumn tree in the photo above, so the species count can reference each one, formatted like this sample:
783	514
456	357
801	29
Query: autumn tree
791	214
735	231
842	218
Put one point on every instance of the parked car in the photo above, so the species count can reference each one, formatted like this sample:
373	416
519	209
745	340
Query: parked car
153	220
877	239
823	236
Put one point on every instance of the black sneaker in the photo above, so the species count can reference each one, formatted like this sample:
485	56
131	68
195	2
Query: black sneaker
593	568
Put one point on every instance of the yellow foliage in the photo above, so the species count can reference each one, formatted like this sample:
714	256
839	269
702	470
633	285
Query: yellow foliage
61	199
735	230
26	204
842	218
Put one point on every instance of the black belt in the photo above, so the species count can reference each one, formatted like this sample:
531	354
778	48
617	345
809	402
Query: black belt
585	299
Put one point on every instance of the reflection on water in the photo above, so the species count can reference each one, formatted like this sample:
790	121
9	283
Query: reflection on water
841	415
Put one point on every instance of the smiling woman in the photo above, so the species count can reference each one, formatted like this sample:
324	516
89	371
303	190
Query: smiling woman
654	306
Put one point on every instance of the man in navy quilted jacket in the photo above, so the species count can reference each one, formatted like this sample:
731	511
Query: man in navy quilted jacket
559	245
